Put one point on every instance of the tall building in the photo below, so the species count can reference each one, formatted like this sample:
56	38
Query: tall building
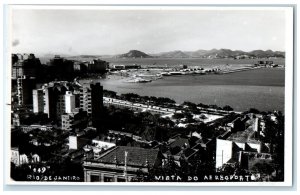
73	142
56	61
96	103
62	68
91	100
97	66
25	65
85	99
69	102
56	99
74	120
38	100
25	85
60	107
49	101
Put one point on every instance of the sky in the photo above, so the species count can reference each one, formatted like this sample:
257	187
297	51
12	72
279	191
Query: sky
110	32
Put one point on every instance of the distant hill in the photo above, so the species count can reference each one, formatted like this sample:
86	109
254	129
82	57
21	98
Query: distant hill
220	53
267	53
88	57
134	54
172	54
85	56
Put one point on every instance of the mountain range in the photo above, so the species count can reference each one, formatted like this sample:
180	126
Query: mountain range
213	53
209	54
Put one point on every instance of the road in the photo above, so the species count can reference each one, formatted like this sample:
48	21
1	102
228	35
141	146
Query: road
142	107
160	110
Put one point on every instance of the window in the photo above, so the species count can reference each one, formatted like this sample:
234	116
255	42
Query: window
95	178
121	179
109	179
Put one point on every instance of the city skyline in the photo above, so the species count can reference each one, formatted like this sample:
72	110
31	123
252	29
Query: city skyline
99	134
202	100
111	32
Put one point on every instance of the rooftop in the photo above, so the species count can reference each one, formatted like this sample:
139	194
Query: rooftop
247	135
179	141
135	157
82	142
243	136
189	151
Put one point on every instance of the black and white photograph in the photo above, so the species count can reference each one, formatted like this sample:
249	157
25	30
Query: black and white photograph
184	95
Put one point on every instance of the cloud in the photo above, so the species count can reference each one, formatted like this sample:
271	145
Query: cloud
15	42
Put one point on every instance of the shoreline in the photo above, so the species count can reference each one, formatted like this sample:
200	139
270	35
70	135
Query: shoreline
205	79
207	90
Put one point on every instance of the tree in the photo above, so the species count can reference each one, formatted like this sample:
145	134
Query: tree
178	115
153	99
189	104
189	117
264	168
203	116
130	97
270	132
227	108
254	110
164	101
203	105
110	94
191	107
213	106
274	134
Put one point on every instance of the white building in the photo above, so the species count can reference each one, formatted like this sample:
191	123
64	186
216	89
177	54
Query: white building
23	159
25	85
38	100
15	156
228	151
69	102
231	146
102	144
98	146
73	142
35	158
19	159
46	98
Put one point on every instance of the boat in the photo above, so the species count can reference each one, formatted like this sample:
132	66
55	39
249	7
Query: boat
139	80
165	74
176	73
146	75
199	72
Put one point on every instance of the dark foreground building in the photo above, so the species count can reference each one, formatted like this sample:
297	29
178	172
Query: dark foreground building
91	100
120	164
